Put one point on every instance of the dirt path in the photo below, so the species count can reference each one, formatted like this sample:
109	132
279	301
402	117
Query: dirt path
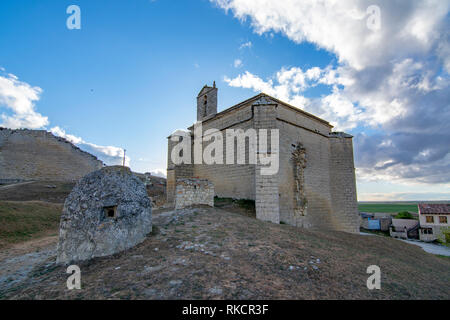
14	185
18	261
427	247
430	247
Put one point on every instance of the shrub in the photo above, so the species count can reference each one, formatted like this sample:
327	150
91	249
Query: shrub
404	215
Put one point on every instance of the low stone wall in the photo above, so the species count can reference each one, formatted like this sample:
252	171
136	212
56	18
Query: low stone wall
398	234
193	191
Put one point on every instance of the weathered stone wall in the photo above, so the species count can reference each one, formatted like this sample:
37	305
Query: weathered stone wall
39	155
343	184
193	191
316	176
267	201
170	187
175	172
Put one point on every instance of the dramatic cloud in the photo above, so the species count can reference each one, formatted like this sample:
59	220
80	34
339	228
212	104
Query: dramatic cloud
18	98
407	27
108	154
393	79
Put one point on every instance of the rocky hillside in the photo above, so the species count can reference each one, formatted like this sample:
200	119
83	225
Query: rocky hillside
39	155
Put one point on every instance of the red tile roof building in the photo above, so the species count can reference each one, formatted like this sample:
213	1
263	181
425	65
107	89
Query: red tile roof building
434	208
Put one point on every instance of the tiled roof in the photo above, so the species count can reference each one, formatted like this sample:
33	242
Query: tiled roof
434	208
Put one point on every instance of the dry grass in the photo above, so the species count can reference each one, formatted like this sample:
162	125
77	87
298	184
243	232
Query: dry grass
207	253
25	220
48	191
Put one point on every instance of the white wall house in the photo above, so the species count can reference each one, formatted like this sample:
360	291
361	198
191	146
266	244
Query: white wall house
434	221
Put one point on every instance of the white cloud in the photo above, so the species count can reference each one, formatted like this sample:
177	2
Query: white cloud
238	63
247	44
341	26
250	81
108	154
289	84
158	173
19	99
395	80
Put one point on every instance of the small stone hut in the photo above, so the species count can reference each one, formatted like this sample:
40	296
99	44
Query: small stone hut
107	211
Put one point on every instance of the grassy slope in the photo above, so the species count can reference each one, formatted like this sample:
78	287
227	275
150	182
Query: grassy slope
244	258
47	191
25	220
32	210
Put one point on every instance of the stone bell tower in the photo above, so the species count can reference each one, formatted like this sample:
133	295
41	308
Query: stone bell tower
207	102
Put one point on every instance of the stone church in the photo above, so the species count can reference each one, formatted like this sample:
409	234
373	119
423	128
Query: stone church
314	186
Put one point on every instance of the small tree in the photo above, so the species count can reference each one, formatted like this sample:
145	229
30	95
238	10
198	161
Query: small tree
404	215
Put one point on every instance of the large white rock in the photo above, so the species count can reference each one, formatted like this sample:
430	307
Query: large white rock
107	211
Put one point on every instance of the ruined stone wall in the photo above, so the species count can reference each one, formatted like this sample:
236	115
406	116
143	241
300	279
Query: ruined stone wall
343	184
175	172
312	206
193	191
329	186
39	155
170	187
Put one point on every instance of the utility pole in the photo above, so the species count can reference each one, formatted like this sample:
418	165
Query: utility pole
124	152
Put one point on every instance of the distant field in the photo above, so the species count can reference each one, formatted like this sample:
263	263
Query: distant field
387	207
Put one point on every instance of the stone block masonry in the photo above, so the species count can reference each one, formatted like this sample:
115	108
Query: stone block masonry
193	191
267	201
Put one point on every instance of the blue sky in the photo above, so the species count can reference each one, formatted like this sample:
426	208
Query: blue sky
130	76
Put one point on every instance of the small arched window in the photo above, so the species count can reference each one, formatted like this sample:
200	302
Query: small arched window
205	102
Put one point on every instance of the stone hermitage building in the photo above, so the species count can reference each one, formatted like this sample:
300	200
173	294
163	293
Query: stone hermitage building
315	184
